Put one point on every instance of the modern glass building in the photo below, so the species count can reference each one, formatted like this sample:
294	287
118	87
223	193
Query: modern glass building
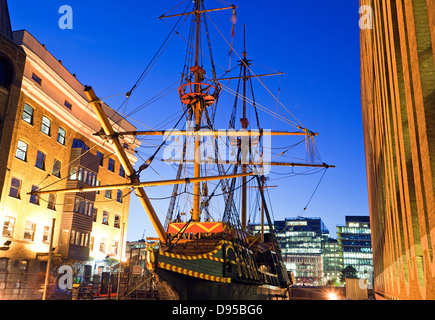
355	241
332	260
302	241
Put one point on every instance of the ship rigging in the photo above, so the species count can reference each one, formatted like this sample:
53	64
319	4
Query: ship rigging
212	254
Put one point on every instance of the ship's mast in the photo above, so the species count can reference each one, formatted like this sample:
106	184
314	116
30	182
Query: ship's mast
244	122
197	108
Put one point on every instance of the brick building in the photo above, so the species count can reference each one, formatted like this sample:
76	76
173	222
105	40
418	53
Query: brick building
46	140
398	108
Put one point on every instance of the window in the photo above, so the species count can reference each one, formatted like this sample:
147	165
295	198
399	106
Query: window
77	242
91	243
77	143
8	227
121	171
83	206
21	150
94	215
34	198
72	238
103	245
37	79
56	168
101	156
40	160
68	105
105	218
51	201
111	166
61	136
115	247
64	237
97	184
15	189
28	114
117	223
46	125
84	175
108	194
119	196
46	234
29	230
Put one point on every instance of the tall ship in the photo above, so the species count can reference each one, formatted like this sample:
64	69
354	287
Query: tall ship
207	247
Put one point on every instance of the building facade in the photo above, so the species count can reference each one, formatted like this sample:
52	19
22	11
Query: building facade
332	260
398	108
47	143
355	244
302	241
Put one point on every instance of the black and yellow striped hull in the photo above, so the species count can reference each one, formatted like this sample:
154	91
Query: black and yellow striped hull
228	272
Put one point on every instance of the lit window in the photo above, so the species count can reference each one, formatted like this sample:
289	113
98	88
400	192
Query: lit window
61	136
51	201
28	114
21	150
117	221
103	245
15	189
29	230
40	160
108	194
8	227
97	184
111	166
73	173
119	196
46	125
72	238
46	234
78	234
105	218
64	237
34	198
56	168
91	243
37	79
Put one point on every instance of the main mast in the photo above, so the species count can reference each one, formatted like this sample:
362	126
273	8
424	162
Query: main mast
244	123
197	108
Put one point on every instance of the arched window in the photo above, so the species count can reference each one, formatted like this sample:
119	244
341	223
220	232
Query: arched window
77	143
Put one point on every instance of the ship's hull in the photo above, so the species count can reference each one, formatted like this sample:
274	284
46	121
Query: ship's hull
189	288
229	272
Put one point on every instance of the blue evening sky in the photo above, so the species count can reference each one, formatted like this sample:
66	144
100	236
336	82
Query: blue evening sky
315	43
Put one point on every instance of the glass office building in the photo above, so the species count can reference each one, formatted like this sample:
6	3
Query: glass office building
302	241
355	241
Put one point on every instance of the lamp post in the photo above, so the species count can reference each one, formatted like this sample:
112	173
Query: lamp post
120	261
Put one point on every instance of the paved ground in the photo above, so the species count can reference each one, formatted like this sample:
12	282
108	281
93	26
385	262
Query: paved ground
317	293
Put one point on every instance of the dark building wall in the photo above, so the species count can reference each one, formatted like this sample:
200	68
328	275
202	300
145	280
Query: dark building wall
12	61
398	109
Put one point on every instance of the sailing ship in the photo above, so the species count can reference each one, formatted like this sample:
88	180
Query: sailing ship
200	255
